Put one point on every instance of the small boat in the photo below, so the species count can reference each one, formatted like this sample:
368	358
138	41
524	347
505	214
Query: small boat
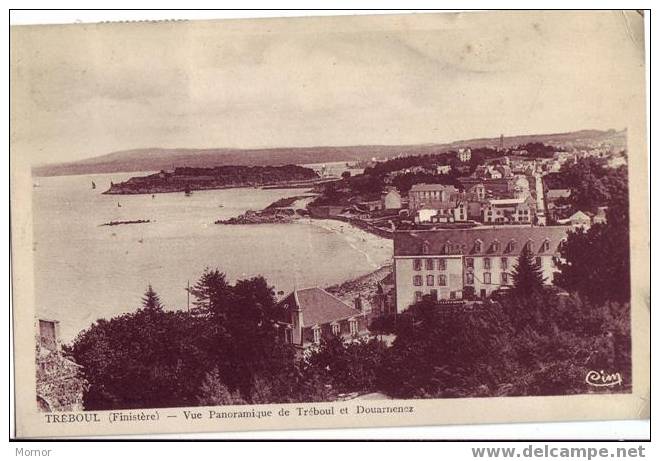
93	185
187	191
118	205
141	241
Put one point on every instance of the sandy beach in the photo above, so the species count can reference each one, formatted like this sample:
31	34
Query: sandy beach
377	250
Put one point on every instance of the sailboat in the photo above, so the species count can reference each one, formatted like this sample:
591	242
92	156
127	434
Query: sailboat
118	205
93	185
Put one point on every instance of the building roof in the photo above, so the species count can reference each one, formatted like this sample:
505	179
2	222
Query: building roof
319	307
431	187
463	241
579	215
507	201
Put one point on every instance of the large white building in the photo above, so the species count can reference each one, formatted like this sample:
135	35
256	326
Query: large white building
444	263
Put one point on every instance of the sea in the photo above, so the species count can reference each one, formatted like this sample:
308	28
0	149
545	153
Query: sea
85	271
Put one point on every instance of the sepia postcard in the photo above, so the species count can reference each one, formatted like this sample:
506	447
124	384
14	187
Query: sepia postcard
329	222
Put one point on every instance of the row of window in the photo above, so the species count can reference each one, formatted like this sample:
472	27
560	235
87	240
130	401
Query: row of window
441	264
430	264
352	327
434	295
487	279
418	280
449	248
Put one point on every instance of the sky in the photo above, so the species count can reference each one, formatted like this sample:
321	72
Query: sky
80	91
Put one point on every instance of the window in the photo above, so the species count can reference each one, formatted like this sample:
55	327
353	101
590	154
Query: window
430	280
511	246
287	336
539	261
496	246
434	295
417	264
469	278
477	246
425	248
442	280
546	245
417	280
317	334
418	296
486	278
442	264
486	263
452	295
469	262
505	263
429	264
529	245
335	329
505	278
353	326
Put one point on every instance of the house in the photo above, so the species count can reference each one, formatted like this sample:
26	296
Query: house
601	216
443	169
576	220
556	194
307	315
429	195
515	210
391	200
464	154
370	205
449	263
500	187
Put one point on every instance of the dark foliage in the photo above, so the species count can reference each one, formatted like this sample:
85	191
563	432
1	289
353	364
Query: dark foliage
527	275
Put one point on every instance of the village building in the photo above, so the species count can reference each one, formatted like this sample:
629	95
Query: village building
307	315
391	199
451	263
579	219
517	210
370	205
429	196
443	169
464	154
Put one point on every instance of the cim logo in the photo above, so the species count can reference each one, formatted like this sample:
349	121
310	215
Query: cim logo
602	379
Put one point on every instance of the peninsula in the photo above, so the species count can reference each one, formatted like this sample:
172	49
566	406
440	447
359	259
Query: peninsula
186	179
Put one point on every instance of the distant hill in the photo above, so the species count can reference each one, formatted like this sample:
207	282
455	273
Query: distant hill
153	159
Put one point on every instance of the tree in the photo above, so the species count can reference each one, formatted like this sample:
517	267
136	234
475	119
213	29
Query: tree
148	359
596	263
346	174
214	392
447	353
527	274
151	300
211	286
348	366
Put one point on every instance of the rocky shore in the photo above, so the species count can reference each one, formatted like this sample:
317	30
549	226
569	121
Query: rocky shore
364	287
278	212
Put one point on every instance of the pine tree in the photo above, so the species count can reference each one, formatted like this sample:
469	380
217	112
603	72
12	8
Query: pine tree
151	300
527	275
